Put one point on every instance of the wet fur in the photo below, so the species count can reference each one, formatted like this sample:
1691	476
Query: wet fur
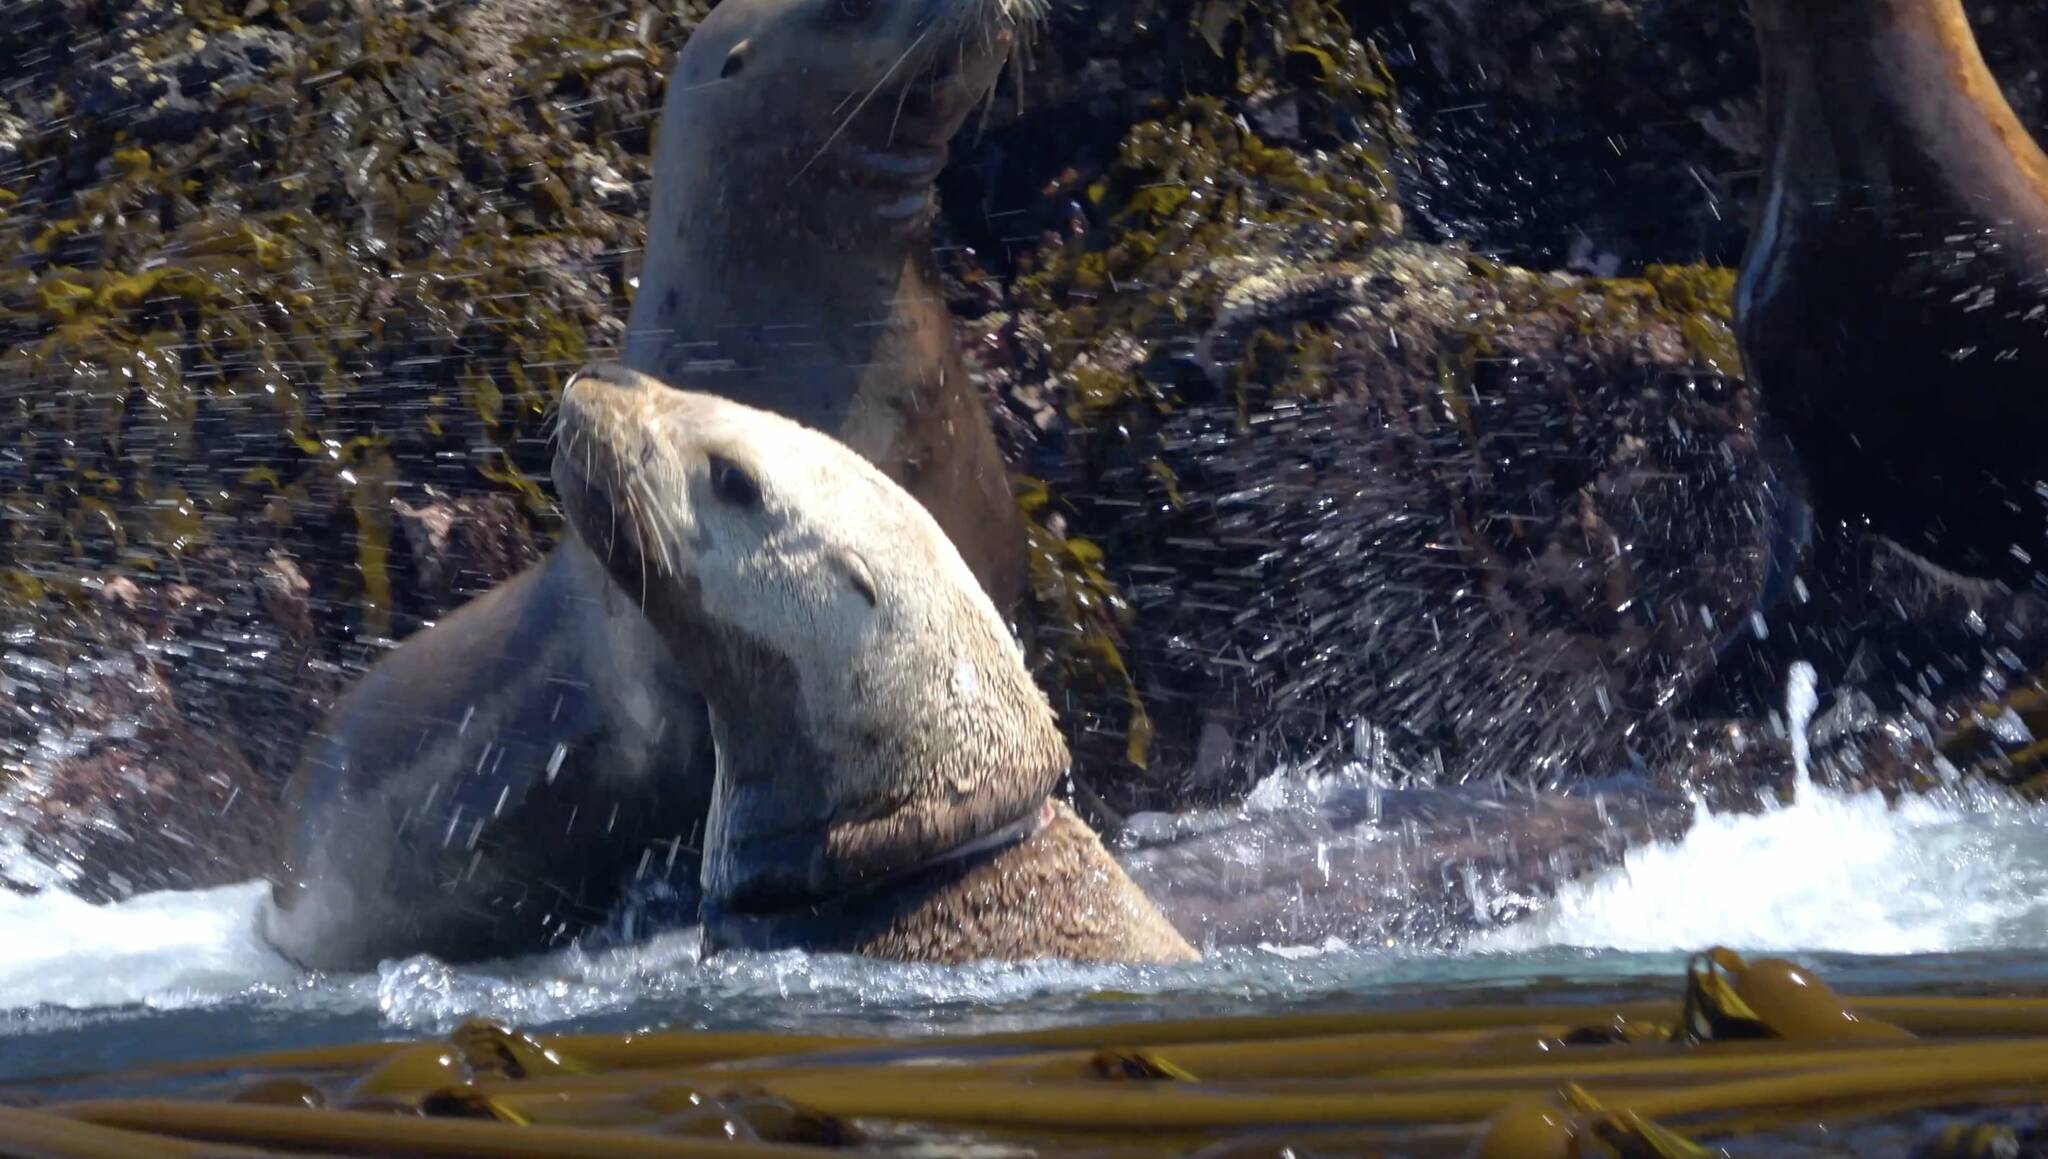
543	729
871	711
489	788
789	264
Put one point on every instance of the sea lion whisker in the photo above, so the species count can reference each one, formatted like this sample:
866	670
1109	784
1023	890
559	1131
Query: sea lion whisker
643	579
848	120
638	523
658	532
698	88
901	99
611	541
988	109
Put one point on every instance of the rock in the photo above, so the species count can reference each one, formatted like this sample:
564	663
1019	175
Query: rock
268	269
1371	865
168	736
464	545
1506	517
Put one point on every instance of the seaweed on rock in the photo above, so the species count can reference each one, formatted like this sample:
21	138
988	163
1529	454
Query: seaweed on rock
274	280
1501	518
1324	477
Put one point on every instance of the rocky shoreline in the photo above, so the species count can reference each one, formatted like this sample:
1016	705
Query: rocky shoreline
1361	360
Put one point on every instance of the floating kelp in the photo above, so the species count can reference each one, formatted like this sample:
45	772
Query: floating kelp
1750	1052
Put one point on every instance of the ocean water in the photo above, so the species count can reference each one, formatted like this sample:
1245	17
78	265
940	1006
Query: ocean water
1934	893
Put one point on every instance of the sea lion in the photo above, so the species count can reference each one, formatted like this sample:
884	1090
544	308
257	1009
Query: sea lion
884	759
789	255
490	786
1893	299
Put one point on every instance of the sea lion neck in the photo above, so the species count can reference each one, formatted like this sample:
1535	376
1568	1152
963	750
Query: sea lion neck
839	920
1893	301
1050	890
732	326
770	913
1889	104
800	814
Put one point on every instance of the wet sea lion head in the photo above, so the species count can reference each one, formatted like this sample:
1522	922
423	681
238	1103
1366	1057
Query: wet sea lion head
872	712
836	98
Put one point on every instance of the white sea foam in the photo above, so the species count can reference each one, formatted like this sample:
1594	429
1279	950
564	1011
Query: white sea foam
1951	872
162	949
1830	871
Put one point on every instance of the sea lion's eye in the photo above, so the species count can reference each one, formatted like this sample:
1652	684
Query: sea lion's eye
736	60
732	485
856	8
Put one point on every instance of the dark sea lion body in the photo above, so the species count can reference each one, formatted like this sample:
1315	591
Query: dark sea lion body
883	758
490	788
495	784
789	257
1893	303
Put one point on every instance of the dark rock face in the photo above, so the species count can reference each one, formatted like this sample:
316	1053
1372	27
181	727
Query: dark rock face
165	722
1534	118
1190	504
1511	561
465	545
1308	473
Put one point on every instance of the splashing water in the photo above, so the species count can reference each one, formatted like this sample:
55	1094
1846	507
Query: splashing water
1802	696
1958	873
1830	871
161	949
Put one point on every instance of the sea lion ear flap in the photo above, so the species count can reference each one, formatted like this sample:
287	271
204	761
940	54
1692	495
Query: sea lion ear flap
858	576
736	60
